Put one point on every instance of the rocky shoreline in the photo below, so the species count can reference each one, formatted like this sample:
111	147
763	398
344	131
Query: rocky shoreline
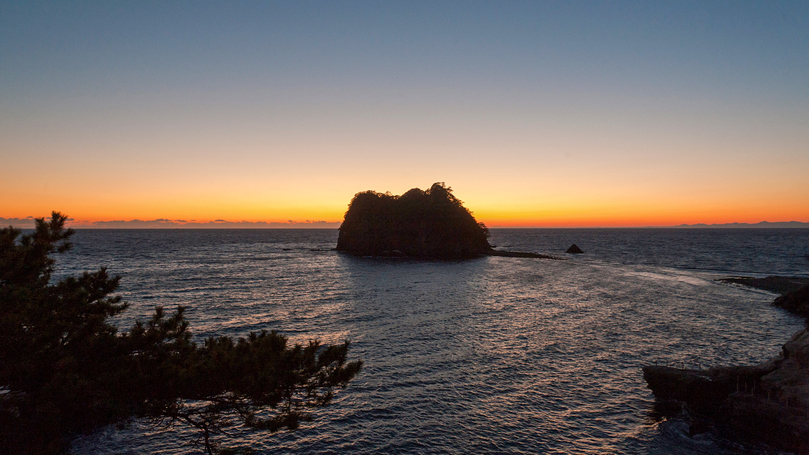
767	402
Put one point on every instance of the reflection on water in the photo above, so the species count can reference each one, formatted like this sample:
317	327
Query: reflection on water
489	355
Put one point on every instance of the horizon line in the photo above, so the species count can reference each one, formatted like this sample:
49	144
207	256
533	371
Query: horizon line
163	223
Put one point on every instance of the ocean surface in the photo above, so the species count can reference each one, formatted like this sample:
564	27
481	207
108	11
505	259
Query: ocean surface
491	355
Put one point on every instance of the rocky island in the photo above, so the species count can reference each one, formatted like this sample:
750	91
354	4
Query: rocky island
767	402
422	224
431	224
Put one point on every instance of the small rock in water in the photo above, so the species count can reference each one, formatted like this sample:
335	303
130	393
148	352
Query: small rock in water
574	249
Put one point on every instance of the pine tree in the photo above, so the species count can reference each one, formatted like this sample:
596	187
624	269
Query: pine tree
65	370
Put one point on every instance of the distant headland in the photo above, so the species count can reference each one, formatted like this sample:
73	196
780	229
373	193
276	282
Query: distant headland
759	225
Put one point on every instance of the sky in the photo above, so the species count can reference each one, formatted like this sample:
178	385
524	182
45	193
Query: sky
536	114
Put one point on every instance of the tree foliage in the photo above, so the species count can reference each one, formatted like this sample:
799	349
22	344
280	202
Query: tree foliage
425	224
65	370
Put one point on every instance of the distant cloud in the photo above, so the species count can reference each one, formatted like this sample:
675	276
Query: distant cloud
22	223
163	223
761	224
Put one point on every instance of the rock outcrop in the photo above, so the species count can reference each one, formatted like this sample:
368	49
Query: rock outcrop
574	250
796	302
767	402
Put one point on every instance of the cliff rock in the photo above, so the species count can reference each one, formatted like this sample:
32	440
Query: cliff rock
796	302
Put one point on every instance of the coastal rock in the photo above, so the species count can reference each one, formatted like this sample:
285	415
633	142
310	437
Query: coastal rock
574	249
796	302
767	402
790	381
703	390
756	417
695	387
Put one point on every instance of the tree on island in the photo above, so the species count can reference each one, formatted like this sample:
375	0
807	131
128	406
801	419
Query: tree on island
423	224
65	370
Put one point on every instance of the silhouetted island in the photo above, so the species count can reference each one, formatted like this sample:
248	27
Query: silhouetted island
423	224
430	224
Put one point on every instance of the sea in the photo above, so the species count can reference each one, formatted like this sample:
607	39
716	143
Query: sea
488	355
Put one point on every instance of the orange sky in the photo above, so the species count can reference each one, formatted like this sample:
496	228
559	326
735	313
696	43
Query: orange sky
513	206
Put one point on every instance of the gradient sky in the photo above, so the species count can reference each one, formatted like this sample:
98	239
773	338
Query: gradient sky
535	113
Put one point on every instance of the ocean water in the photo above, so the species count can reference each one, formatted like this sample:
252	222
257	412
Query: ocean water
491	355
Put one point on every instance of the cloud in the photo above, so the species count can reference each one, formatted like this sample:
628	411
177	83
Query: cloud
22	223
29	222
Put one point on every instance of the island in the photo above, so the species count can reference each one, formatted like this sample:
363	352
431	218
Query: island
767	402
431	224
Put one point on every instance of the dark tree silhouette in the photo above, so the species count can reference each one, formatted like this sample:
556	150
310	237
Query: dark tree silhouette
65	370
424	224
